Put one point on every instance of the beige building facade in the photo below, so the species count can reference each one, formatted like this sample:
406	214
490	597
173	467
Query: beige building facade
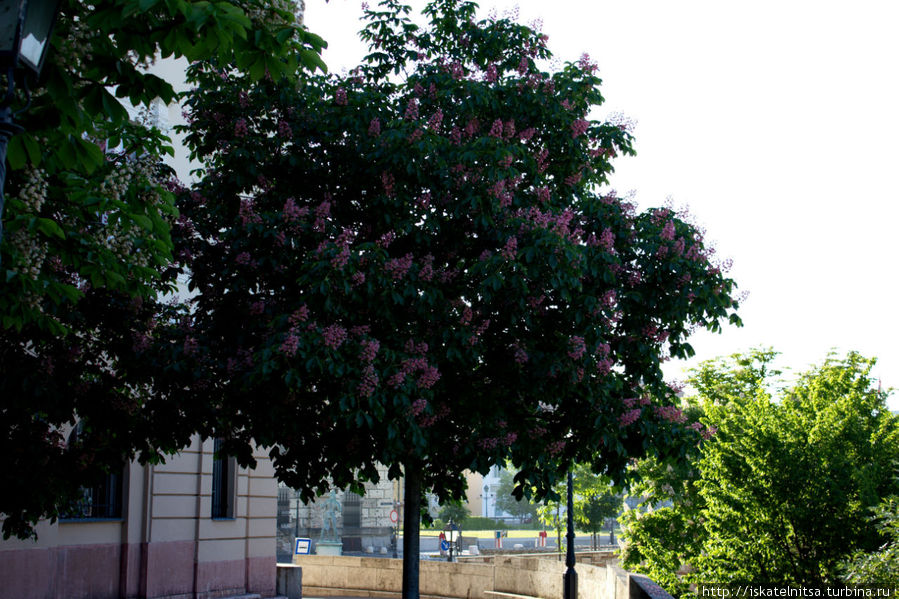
194	527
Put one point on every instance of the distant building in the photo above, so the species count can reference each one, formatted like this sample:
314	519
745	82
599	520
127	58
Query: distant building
481	493
196	526
364	525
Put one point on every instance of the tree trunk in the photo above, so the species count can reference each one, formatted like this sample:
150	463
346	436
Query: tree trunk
411	528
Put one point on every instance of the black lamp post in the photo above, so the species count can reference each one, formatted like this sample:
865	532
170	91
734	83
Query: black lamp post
454	536
569	590
25	29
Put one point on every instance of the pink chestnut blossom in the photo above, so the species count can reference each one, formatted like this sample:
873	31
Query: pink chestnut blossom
457	70
300	315
429	376
578	127
668	231
573	179
333	336
509	129
291	212
386	239
435	120
369	350
290	345
284	130
670	413
586	64
510	250
369	382
556	447
576	347
426	273
496	130
604	366
389	183
398	267
629	417
240	127
247	214
520	356
412	110
523	65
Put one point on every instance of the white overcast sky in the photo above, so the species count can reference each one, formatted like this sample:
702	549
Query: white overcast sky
775	122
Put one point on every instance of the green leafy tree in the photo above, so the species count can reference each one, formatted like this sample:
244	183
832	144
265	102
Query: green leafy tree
880	567
454	511
87	237
519	507
780	493
412	264
551	510
595	502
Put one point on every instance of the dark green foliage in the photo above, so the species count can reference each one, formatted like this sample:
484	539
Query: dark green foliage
87	252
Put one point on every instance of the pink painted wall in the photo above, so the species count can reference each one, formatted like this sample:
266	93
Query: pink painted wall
75	571
165	546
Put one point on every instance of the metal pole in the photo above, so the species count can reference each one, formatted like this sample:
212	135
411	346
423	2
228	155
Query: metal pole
296	501
570	581
451	543
411	527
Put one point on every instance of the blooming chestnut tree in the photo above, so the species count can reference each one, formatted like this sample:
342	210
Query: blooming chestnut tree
413	264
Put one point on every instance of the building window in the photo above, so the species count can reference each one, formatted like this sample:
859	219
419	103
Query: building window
223	487
100	501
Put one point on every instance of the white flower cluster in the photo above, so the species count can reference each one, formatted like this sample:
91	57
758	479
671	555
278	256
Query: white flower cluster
267	13
32	252
33	192
74	49
118	233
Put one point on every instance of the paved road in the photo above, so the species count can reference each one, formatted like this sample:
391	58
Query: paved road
431	544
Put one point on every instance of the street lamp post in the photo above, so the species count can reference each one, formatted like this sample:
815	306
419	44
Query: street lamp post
25	29
570	582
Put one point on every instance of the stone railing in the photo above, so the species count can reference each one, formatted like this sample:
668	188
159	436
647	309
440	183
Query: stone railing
500	578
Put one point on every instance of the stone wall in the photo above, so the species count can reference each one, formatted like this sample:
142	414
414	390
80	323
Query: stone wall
529	576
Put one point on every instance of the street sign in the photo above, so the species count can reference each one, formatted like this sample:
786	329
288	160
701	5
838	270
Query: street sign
303	546
444	545
394	516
